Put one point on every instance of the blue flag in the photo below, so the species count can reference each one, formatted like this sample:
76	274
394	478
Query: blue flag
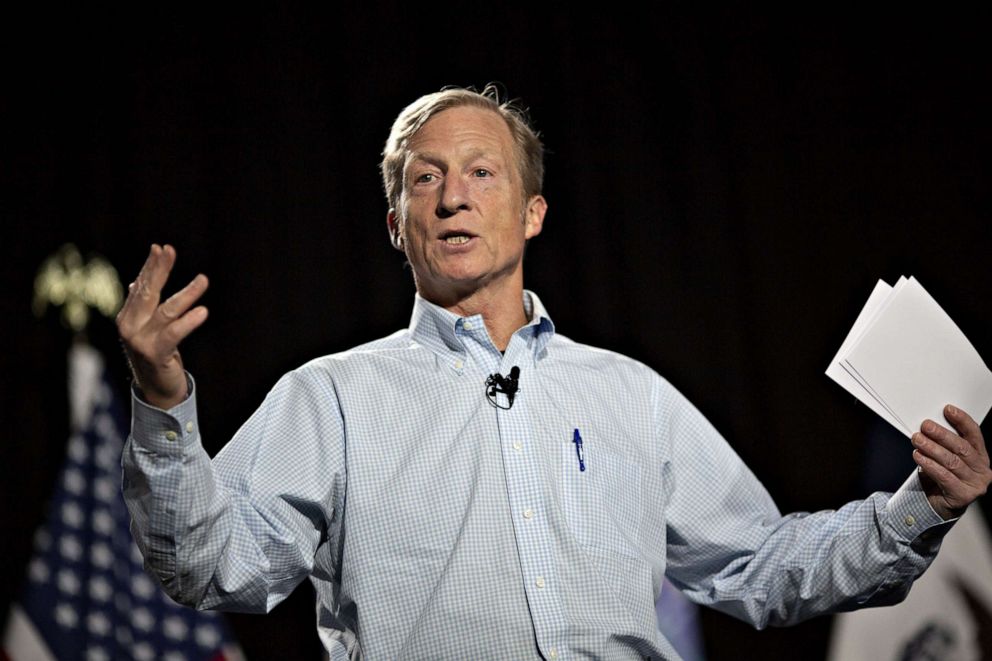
87	596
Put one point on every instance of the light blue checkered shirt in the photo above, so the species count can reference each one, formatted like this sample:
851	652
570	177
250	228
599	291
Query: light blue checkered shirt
434	525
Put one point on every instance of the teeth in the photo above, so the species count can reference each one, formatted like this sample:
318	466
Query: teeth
461	238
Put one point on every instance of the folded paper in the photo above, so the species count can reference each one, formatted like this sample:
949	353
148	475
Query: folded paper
905	359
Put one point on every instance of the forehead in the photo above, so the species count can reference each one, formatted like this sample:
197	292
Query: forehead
463	129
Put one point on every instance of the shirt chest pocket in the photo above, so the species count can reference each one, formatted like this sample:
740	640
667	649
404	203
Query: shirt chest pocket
602	504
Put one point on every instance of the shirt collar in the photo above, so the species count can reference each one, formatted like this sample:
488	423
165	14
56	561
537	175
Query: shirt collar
436	327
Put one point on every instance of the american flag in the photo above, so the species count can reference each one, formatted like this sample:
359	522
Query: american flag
86	595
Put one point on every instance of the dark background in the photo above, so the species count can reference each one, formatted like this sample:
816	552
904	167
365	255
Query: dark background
725	189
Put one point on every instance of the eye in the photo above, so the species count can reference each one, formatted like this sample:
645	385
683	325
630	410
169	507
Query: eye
425	178
481	172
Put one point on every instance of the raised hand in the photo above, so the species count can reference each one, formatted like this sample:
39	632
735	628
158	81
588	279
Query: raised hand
151	332
955	466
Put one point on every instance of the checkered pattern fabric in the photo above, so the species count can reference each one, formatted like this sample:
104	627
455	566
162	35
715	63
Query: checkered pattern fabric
435	525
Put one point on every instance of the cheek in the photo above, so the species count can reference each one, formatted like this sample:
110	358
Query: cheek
408	227
416	242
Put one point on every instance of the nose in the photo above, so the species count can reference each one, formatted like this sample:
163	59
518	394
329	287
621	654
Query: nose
455	197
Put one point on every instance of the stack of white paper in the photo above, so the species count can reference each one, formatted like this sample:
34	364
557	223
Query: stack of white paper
905	359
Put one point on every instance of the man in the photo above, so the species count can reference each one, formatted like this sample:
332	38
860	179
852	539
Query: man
526	499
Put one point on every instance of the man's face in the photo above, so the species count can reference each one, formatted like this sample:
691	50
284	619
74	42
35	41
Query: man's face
462	220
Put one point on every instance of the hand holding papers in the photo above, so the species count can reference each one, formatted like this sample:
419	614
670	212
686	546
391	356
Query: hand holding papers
906	359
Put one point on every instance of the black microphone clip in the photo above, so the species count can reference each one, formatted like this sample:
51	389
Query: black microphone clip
507	385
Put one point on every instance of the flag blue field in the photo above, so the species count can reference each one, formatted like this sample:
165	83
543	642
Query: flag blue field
86	595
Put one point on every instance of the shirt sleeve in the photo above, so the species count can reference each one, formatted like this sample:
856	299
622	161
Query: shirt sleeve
238	532
729	546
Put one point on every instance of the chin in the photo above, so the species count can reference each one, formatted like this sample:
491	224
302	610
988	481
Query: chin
460	276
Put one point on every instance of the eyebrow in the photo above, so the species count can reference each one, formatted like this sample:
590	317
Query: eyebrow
435	159
425	157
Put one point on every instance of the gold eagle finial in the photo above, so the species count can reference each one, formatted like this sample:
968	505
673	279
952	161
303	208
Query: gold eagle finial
65	281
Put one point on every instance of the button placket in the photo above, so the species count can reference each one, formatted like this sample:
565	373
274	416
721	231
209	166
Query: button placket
526	490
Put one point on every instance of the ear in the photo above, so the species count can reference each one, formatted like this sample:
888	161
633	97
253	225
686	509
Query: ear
537	206
393	224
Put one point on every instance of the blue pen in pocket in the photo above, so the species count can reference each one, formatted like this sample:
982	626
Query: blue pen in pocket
577	439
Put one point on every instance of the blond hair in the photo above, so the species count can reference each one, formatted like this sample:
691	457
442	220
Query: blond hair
529	150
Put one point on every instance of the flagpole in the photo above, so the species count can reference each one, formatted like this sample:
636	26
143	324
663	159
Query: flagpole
86	595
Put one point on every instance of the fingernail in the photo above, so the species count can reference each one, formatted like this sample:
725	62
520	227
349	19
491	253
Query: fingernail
951	410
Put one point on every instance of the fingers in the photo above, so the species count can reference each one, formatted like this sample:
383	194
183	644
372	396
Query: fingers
144	293
151	333
953	493
155	272
181	301
154	331
945	479
177	331
947	448
966	427
957	463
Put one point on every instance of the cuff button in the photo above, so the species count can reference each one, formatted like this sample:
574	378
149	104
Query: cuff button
170	436
910	520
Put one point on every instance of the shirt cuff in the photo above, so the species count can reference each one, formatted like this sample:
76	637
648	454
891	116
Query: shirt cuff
165	432
911	516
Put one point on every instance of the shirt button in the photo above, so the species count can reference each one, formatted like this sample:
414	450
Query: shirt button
517	445
189	427
467	325
458	364
170	435
539	582
910	520
528	513
553	653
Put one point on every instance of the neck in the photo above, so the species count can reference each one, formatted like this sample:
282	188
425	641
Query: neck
502	311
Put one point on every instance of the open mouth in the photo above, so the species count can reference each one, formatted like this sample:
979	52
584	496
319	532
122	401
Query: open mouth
456	238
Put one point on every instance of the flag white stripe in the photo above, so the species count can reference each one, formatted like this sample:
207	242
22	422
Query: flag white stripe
21	641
